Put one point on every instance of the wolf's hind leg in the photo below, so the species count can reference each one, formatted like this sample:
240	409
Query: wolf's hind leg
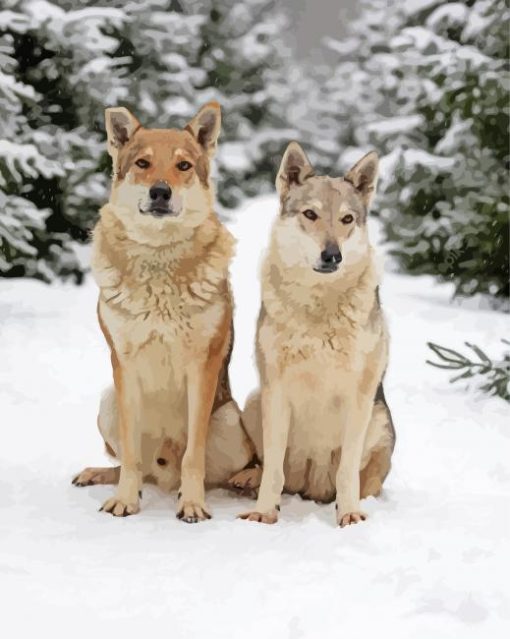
247	481
93	476
107	424
374	473
252	421
228	446
108	421
379	445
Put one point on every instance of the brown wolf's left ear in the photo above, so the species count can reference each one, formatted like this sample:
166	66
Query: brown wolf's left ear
205	126
121	125
294	169
363	176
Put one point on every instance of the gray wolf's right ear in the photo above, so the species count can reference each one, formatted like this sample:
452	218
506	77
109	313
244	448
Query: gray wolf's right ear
363	177
121	124
294	169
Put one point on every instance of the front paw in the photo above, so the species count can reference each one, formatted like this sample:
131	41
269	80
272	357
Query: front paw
191	512
120	507
267	517
347	519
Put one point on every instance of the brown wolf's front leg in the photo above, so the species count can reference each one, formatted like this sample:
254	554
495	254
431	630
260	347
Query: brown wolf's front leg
275	430
129	401
202	380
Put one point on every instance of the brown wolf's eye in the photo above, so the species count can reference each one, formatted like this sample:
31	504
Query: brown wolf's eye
347	219
143	164
310	215
184	166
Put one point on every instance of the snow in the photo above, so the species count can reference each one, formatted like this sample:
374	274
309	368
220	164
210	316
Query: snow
233	157
412	7
458	129
432	560
87	22
28	159
420	40
397	124
451	14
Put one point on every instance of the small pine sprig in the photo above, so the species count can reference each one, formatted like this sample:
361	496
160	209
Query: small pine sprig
493	376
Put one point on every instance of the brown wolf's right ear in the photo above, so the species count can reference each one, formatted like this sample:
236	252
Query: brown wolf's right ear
120	127
205	126
294	169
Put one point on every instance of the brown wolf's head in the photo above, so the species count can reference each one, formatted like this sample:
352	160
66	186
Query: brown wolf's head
322	224
161	176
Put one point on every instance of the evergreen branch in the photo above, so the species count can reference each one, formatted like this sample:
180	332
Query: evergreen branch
493	375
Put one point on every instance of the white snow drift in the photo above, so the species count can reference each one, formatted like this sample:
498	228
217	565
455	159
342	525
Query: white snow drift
432	560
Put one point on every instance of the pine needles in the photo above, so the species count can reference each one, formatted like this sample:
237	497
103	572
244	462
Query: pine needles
492	376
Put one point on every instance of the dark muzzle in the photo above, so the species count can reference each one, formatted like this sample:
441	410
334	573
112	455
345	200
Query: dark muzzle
330	259
159	199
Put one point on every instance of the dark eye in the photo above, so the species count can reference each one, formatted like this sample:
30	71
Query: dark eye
143	164
347	219
310	215
184	166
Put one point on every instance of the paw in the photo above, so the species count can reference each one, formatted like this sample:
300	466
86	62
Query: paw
268	517
246	482
350	518
92	476
191	512
120	508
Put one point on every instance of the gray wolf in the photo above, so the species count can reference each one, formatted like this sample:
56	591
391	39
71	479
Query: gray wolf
320	422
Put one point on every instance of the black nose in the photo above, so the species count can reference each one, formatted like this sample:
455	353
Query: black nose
160	192
331	254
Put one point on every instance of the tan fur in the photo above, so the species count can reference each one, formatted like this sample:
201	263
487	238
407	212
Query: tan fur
165	309
322	349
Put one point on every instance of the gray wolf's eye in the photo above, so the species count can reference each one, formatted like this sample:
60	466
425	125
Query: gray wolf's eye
184	166
310	215
347	219
143	164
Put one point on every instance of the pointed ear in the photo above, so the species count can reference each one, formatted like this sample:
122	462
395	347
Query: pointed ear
121	124
205	126
294	169
363	176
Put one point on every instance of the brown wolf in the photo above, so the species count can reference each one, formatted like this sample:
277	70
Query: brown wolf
322	347
160	258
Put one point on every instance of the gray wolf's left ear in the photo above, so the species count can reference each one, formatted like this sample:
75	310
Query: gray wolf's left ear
363	176
294	169
205	126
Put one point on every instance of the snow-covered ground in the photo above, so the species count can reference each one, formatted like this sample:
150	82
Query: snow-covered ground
432	560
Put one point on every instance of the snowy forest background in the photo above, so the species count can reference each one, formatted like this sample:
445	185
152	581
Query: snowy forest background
424	82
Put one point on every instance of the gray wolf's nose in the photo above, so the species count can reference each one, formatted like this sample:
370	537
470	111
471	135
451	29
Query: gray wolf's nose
331	254
160	191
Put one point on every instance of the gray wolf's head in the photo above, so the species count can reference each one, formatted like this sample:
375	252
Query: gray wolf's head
322	221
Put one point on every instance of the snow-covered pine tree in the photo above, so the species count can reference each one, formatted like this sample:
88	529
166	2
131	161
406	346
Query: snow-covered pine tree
313	111
22	162
65	61
245	64
51	153
361	84
434	80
